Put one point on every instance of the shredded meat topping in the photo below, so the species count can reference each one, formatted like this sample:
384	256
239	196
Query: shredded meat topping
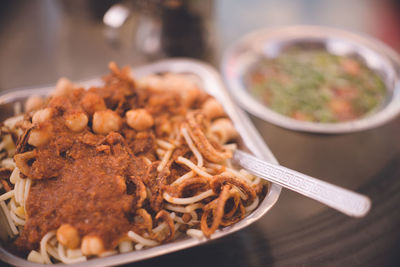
97	171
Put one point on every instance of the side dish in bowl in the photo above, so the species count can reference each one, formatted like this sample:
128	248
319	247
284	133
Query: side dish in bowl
122	166
314	85
315	79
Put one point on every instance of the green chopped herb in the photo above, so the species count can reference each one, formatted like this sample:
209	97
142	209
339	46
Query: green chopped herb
315	85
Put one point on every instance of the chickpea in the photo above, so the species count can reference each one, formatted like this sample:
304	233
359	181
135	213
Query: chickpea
92	102
92	245
77	121
40	136
139	119
42	115
68	236
63	86
33	103
224	130
106	121
213	109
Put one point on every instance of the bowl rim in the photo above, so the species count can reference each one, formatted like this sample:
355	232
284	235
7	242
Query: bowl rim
230	69
251	137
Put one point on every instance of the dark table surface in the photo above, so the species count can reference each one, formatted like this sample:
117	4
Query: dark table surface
41	41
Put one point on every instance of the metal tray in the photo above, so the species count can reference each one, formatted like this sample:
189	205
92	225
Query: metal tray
211	82
270	42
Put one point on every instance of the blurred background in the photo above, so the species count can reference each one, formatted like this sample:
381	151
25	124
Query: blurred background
43	40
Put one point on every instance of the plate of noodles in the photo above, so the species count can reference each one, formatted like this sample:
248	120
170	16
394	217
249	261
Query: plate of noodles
131	166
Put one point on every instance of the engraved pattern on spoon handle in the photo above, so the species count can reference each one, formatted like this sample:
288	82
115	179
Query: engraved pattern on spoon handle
346	201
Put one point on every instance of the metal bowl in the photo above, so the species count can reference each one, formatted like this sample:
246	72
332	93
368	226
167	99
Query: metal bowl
270	42
210	81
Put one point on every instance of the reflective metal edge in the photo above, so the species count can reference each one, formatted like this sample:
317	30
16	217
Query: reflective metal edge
232	72
213	85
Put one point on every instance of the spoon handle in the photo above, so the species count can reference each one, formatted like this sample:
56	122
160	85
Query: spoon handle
343	200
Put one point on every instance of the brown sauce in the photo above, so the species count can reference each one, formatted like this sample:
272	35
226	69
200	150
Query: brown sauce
83	179
85	191
96	182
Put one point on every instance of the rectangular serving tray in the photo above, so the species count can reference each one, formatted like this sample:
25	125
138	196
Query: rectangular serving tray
211	82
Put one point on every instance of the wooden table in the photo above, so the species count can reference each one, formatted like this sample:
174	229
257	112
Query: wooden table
40	42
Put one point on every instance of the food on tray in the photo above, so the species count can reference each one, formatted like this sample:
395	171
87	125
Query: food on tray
314	85
131	164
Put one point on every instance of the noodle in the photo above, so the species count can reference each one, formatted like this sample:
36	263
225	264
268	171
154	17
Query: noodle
160	152
8	216
125	246
12	205
17	220
141	240
190	222
68	260
144	180
8	163
164	160
175	208
35	256
19	193
183	177
14	176
193	207
11	122
108	253
52	250
26	189
160	228
139	246
253	205
188	200
195	233
20	211
192	147
165	145
7	195
74	253
195	168
43	246
238	174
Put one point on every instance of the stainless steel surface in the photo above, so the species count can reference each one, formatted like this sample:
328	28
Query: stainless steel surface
341	199
211	83
270	42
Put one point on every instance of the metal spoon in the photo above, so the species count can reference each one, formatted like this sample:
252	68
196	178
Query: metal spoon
343	200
